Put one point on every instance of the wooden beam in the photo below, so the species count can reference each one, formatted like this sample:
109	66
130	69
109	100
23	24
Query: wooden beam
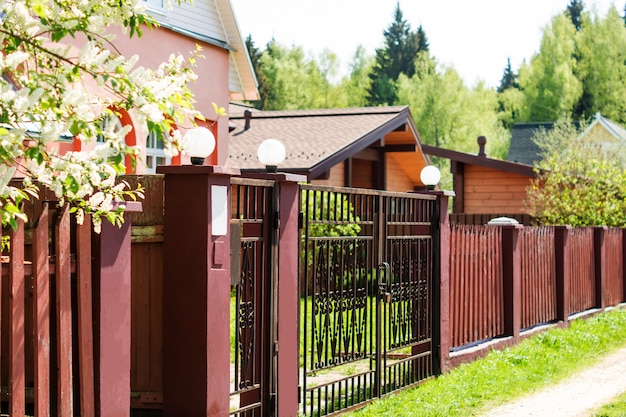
347	173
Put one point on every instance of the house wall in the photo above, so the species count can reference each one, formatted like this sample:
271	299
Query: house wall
397	178
362	173
153	48
212	71
487	190
599	134
335	179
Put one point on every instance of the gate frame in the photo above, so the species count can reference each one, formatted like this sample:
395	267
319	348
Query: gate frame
439	281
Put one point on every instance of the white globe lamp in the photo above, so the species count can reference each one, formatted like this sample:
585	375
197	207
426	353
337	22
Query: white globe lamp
430	176
271	153
200	143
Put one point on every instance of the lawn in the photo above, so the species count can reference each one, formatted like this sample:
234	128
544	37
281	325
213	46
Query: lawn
504	375
617	408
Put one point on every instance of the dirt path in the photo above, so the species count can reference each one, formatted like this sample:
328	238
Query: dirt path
577	396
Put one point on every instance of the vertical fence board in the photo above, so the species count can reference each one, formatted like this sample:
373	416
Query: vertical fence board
41	326
85	319
64	315
16	322
614	284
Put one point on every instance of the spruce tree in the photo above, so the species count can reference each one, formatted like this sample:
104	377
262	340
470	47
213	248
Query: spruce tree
509	78
575	11
396	57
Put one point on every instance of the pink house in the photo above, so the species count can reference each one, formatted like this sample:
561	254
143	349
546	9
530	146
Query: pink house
225	74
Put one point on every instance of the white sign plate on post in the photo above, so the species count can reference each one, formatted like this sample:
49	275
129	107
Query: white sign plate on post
219	210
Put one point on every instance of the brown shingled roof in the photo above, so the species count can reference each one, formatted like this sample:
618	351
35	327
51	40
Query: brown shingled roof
316	140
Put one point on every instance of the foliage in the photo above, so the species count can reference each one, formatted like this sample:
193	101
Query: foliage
575	10
396	57
601	67
509	78
450	115
263	85
581	182
330	214
48	80
617	408
355	85
471	389
548	82
296	80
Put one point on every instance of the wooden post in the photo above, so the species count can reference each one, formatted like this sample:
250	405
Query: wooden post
16	318
287	356
112	287
599	250
440	230
512	279
196	288
563	276
623	261
442	265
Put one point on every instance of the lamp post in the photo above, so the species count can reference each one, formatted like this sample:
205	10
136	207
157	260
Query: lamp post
200	144
271	153
430	176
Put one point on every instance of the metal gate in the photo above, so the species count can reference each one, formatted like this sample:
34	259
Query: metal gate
367	293
253	238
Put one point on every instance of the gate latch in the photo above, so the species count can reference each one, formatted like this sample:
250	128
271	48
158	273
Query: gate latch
383	292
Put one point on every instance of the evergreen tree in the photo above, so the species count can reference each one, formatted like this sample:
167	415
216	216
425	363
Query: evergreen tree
396	57
423	40
509	78
263	86
575	11
624	16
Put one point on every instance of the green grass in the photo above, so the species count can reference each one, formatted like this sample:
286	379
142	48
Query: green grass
508	374
617	408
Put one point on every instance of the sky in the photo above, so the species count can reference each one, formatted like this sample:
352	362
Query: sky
475	37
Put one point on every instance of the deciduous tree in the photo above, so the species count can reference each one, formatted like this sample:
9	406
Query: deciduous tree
42	83
580	182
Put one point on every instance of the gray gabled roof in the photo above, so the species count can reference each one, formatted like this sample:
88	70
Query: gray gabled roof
522	149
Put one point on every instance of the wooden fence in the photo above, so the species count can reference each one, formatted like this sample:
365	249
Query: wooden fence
47	366
503	282
539	275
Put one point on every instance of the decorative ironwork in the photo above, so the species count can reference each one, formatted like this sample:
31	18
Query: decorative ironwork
251	207
372	327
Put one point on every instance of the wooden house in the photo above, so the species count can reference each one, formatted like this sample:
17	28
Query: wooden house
370	147
485	187
524	150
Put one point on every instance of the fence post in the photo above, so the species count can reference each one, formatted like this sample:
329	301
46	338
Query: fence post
287	356
563	276
112	306
623	264
599	250
441	268
196	288
512	279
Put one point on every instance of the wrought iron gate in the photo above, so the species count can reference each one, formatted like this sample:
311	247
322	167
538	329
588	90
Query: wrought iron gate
253	377
367	292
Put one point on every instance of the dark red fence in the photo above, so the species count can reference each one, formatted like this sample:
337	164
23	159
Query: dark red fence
476	297
538	269
47	365
538	275
582	270
613	271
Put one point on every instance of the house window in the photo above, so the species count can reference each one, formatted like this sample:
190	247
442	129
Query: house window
110	121
155	5
155	153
